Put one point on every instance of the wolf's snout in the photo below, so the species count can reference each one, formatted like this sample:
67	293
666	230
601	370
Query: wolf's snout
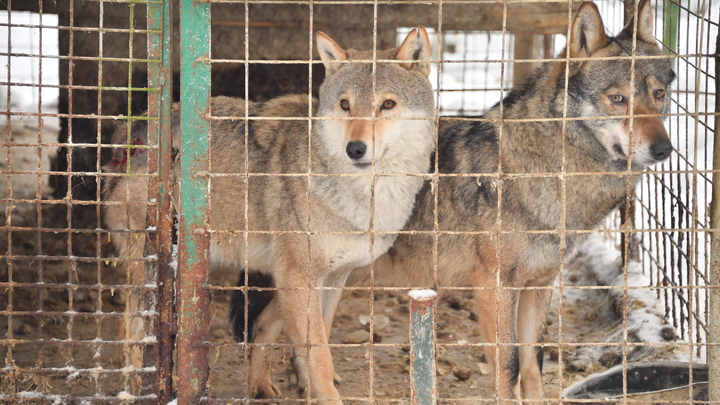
356	149
661	150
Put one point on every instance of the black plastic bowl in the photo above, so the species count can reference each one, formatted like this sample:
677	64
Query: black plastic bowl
643	378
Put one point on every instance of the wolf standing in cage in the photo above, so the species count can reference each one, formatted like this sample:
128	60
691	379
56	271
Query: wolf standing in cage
530	190
314	203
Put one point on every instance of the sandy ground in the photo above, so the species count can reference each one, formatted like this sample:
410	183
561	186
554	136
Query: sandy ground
60	310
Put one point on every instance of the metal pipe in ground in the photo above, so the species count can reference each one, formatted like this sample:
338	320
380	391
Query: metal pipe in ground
422	347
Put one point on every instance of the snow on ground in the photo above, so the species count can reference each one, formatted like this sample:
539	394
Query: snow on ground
596	292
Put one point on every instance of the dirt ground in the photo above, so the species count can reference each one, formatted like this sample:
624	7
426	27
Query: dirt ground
62	299
588	318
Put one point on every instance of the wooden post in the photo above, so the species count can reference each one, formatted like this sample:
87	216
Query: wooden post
527	46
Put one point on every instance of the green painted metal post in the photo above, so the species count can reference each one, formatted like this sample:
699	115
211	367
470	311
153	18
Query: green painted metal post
422	347
194	240
160	133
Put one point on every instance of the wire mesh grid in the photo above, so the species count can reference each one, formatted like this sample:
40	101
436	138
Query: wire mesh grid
69	72
87	301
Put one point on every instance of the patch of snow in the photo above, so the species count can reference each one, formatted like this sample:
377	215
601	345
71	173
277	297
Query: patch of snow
30	394
125	396
422	295
149	339
596	294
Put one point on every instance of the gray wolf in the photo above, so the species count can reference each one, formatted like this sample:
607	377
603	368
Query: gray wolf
324	188
519	188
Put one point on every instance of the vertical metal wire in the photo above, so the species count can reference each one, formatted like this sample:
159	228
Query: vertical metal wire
714	284
8	212
159	103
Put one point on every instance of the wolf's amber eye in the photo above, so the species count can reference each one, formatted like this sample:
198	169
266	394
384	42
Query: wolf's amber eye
388	104
659	94
345	105
617	99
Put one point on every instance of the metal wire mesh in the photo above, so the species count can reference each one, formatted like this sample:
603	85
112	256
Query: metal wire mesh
86	311
69	72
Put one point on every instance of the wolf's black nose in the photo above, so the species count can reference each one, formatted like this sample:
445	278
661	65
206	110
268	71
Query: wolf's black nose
356	149
661	150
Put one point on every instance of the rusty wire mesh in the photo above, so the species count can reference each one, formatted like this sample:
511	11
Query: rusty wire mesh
69	71
66	306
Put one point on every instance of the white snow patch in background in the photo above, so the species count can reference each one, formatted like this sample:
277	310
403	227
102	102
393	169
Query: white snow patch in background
29	81
645	314
595	315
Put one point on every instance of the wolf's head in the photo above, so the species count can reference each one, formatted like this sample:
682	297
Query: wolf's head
375	111
623	78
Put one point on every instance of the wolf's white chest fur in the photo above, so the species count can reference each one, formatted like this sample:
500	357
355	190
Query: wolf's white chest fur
394	198
340	204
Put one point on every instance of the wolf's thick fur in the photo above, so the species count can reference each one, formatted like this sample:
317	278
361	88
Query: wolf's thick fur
529	188
373	119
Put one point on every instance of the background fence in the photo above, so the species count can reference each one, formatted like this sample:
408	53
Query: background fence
73	315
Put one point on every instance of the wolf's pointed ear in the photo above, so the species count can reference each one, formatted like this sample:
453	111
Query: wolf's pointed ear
644	24
329	52
588	32
415	50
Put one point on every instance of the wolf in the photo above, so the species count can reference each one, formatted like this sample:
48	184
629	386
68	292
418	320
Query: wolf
125	201
518	188
324	193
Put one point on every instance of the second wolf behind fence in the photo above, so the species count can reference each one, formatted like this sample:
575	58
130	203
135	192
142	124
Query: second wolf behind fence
520	187
322	179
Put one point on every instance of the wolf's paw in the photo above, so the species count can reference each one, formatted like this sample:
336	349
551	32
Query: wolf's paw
266	390
337	379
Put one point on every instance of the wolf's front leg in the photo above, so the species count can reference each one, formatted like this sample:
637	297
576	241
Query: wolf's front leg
331	299
266	330
302	311
532	311
497	313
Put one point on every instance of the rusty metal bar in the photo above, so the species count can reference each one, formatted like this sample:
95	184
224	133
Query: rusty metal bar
422	347
714	309
193	239
160	76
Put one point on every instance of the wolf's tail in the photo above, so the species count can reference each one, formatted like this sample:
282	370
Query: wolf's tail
256	302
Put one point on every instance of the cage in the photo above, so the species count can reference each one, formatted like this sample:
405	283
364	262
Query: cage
115	204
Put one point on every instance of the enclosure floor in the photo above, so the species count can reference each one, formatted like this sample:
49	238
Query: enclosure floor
589	317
